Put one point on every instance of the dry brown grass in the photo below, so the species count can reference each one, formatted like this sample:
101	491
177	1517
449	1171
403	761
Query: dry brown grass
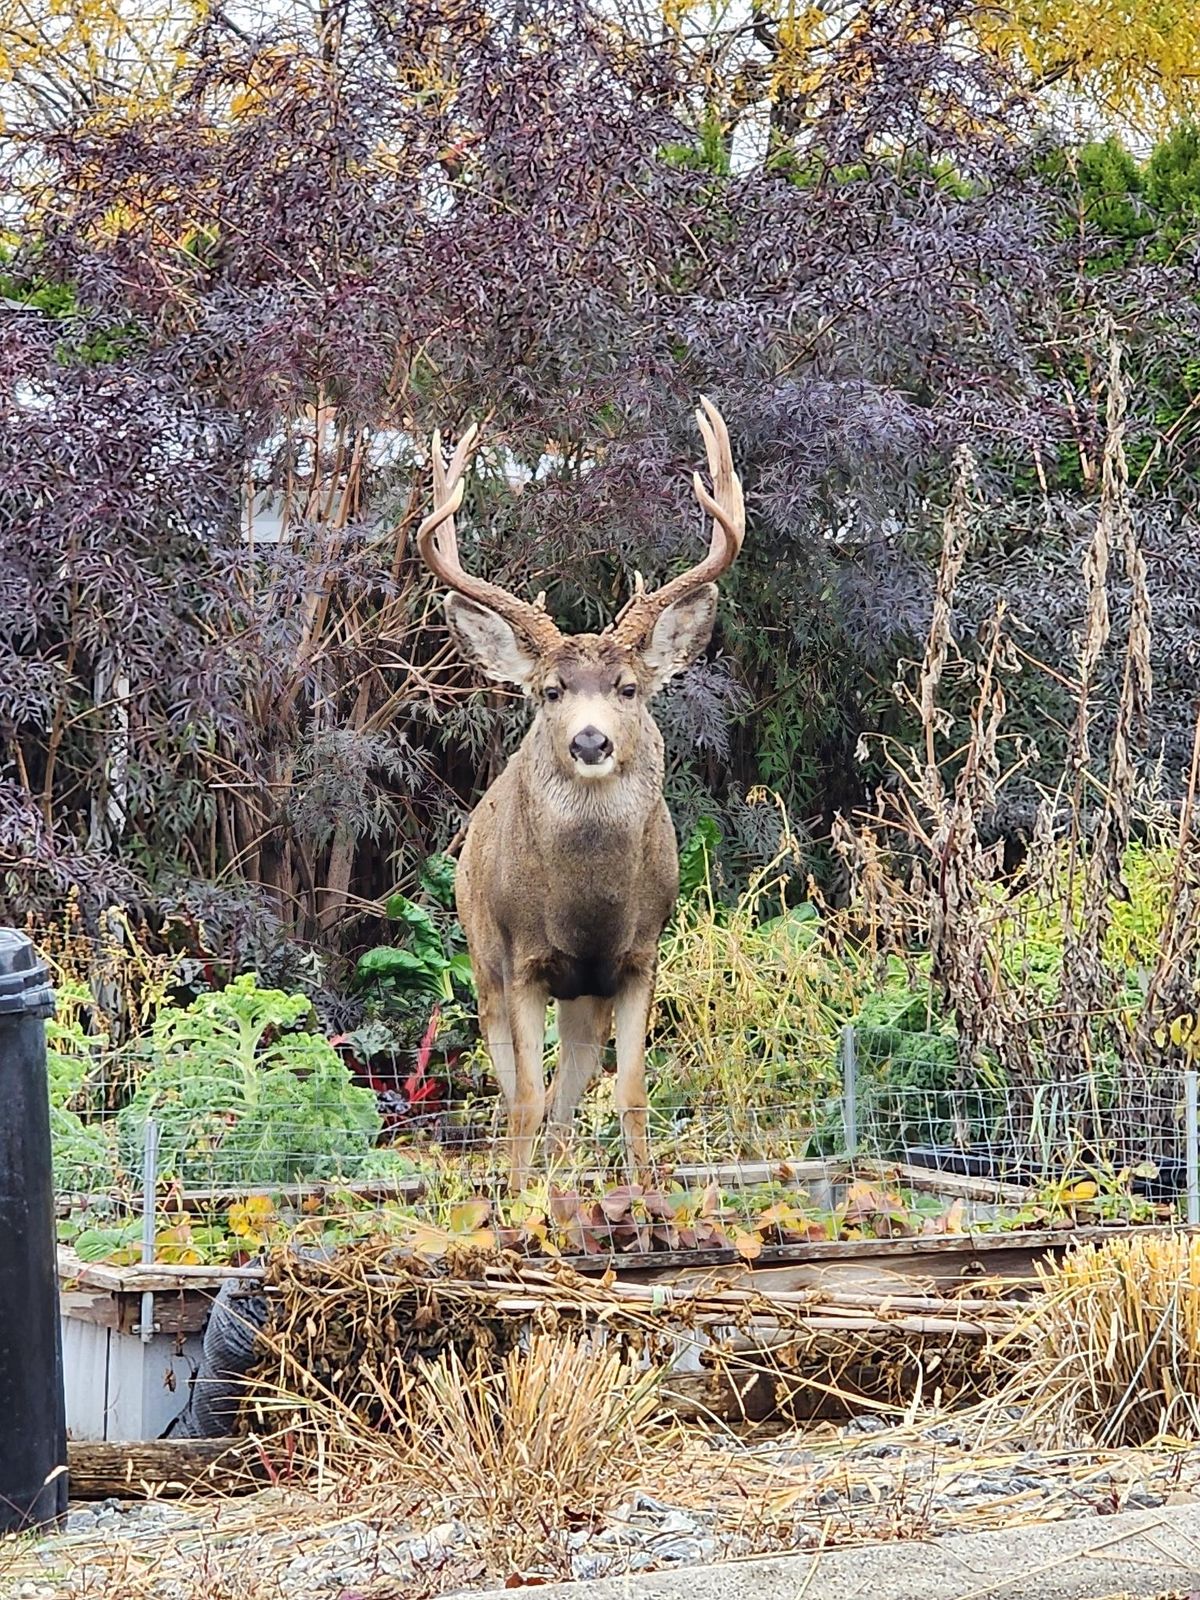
553	1439
386	1373
1115	1341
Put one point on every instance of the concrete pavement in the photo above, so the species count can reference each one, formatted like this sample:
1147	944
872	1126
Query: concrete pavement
1143	1553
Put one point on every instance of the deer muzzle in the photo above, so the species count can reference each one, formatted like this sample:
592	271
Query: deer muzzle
592	750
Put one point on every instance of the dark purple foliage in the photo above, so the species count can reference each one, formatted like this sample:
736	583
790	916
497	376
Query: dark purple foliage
331	243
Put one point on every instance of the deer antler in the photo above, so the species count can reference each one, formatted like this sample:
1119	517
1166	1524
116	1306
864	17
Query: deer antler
728	512
437	543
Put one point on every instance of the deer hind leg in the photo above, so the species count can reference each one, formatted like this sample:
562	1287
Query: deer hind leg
584	1028
632	1010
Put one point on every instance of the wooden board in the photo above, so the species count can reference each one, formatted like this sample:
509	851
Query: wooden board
162	1278
98	1471
174	1312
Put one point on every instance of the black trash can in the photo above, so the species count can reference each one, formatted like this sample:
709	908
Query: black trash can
33	1432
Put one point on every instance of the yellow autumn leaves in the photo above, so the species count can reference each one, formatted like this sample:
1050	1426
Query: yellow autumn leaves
1138	61
254	1222
1134	63
63	59
1183	1032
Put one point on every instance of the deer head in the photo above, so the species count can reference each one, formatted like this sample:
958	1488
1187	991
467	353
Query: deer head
591	689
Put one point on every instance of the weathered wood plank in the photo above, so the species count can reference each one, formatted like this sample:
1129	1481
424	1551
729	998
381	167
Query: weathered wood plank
137	1279
724	1395
98	1306
175	1311
977	1251
956	1186
130	1471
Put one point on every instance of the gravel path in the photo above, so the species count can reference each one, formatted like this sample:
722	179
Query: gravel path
795	1492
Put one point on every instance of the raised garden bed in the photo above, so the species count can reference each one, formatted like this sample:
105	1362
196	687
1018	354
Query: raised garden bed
132	1330
913	1285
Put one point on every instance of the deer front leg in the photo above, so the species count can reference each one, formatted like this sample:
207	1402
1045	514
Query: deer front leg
493	1022
632	1012
584	1028
526	1004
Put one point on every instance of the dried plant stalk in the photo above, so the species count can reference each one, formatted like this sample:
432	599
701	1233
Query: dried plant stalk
925	876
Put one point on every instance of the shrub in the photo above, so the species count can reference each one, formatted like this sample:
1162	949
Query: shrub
909	1074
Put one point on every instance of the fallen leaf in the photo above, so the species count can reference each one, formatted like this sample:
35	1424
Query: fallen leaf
617	1202
748	1245
428	1241
469	1215
782	1217
564	1204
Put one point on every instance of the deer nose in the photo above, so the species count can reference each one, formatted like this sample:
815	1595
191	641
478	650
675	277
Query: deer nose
591	746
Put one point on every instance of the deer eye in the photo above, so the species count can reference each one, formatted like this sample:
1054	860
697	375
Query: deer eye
628	691
553	692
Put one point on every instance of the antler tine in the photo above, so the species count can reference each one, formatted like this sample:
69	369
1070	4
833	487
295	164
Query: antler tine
442	556
437	543
724	505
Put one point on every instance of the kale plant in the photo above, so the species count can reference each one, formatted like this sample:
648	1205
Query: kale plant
242	1094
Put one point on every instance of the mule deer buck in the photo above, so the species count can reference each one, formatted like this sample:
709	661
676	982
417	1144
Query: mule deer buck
569	871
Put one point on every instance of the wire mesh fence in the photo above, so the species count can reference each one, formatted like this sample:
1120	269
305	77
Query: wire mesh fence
864	1138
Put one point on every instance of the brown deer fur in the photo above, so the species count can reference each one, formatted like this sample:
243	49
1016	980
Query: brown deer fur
569	871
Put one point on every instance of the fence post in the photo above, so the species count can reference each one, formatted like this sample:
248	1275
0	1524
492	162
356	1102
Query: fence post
149	1219
1192	1143
33	1427
849	1054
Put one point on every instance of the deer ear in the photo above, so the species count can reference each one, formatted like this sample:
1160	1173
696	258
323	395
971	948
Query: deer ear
680	634
487	641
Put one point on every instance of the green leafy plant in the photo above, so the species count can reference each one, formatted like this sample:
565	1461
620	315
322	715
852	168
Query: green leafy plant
696	856
436	877
84	1158
432	957
60	304
243	1094
419	1021
423	967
